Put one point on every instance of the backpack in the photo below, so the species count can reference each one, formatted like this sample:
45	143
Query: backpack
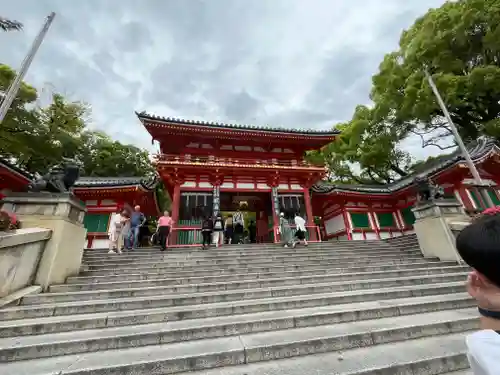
207	224
218	224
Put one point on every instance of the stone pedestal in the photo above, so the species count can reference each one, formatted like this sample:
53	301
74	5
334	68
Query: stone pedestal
433	227
63	214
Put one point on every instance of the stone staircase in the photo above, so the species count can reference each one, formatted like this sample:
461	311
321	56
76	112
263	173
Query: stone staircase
365	308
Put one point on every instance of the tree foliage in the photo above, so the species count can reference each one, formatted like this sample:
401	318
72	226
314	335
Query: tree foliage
36	138
459	45
105	157
10	25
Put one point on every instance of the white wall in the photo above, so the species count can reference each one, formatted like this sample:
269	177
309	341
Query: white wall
334	225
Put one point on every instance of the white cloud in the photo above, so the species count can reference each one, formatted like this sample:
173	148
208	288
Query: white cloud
295	63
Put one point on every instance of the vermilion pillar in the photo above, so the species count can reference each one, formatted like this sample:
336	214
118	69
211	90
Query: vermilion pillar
313	235
176	201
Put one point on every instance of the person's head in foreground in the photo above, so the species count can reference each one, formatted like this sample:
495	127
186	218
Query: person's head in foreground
479	246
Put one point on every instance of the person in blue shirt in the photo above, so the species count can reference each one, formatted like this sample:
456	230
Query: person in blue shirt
137	219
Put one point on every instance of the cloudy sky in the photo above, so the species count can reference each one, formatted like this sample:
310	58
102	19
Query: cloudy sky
292	63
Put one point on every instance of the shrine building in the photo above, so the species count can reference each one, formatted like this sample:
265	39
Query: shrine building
226	167
102	196
359	212
262	171
12	178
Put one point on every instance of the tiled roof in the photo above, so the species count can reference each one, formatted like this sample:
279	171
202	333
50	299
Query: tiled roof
12	167
146	116
477	150
95	182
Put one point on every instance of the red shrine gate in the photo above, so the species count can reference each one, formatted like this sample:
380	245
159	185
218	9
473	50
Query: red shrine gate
226	166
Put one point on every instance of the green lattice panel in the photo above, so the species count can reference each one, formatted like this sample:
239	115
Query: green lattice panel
386	220
494	197
96	222
189	237
408	216
360	220
476	199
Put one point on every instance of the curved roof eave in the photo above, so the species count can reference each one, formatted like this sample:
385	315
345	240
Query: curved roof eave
478	150
310	132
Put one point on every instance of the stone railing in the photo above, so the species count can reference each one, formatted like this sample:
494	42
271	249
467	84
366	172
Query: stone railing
20	254
60	214
437	225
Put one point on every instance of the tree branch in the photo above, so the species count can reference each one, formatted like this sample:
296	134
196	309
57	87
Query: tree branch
432	141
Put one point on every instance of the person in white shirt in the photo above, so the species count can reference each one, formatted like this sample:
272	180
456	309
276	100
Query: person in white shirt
300	233
117	229
479	246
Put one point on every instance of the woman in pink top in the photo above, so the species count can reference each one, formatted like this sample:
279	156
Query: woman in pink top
164	226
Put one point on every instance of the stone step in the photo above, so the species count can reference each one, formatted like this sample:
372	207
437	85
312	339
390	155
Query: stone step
113	263
273	329
171	263
238	273
190	295
238	250
361	245
216	252
162	256
255	267
210	304
223	251
424	356
170	358
247	281
253	251
221	323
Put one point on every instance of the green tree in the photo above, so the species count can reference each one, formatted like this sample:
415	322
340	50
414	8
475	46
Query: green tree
10	25
61	129
37	138
365	151
459	43
164	201
20	126
103	157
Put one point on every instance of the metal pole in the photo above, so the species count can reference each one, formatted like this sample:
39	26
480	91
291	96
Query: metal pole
473	170
16	84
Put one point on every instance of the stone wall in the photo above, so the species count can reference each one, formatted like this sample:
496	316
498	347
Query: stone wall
20	254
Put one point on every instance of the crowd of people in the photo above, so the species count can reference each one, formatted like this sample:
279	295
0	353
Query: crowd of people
126	229
231	230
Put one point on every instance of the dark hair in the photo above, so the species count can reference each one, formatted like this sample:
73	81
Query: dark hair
479	246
